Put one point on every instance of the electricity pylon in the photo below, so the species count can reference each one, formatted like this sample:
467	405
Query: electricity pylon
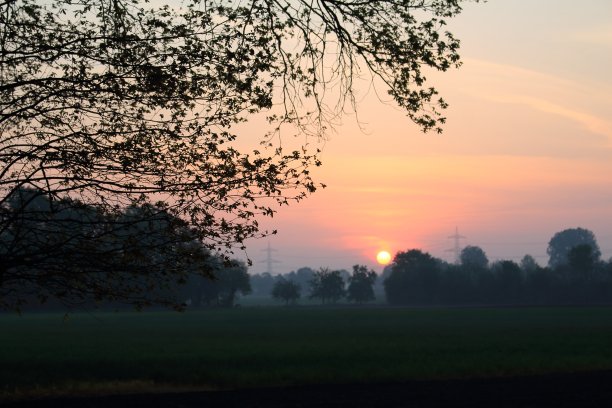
269	260
456	249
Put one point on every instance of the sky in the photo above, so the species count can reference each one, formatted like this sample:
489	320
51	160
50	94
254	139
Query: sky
526	152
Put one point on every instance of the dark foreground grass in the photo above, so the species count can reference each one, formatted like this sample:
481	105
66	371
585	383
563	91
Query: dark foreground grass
255	347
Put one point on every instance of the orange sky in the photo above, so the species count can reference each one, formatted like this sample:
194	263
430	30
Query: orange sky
527	150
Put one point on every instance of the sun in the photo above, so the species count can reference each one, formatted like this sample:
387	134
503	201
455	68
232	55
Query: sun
383	257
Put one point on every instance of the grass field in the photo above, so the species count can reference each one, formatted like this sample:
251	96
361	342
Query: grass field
269	346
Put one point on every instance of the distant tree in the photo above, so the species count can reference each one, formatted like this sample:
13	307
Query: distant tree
456	284
286	290
198	290
262	283
541	285
528	264
509	280
66	250
413	279
232	280
582	261
208	291
486	286
327	285
302	276
473	257
606	280
361	284
562	242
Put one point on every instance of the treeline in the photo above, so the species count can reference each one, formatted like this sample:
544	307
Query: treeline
326	285
59	253
575	274
417	278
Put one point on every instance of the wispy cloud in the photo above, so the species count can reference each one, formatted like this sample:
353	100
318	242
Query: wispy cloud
591	122
542	92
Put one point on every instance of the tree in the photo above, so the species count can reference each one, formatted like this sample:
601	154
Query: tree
302	276
562	242
121	103
262	283
541	285
232	281
68	251
361	284
413	278
456	285
529	264
286	291
327	285
582	260
473	257
510	281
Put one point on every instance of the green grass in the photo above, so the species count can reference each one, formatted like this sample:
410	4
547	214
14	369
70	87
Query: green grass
268	346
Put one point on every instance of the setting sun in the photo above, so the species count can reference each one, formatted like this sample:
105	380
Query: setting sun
383	257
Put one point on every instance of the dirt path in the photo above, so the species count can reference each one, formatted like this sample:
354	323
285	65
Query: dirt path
584	390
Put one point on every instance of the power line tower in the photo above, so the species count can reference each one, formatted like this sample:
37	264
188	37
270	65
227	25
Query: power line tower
269	259
456	249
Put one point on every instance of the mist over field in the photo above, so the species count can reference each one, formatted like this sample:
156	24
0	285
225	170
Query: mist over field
265	347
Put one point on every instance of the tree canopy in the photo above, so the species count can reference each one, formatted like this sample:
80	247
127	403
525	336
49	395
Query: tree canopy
68	251
562	243
286	290
361	284
327	285
120	103
474	257
417	278
413	278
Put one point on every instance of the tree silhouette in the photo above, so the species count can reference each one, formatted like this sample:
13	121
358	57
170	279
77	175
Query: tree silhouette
286	291
562	243
413	278
510	281
120	103
528	264
582	259
473	257
327	285
361	284
230	279
66	250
